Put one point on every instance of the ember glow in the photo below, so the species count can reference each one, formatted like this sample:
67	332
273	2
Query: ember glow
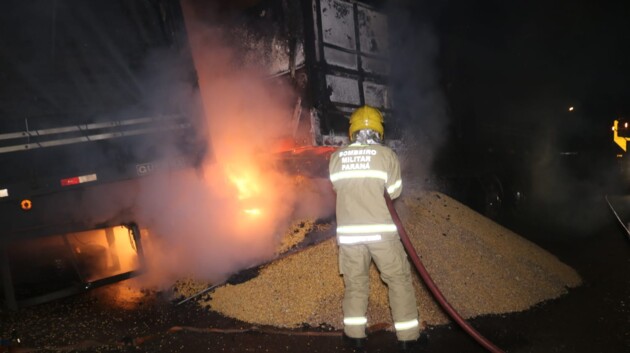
259	198
106	252
248	184
245	182
83	256
248	188
253	211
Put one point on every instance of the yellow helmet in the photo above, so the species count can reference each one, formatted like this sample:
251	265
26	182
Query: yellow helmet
366	117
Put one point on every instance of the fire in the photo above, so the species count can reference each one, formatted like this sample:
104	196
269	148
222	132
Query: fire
248	183
244	178
253	211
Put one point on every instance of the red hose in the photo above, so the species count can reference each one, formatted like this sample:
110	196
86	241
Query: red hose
431	285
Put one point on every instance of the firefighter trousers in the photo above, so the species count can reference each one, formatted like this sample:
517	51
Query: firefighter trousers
391	260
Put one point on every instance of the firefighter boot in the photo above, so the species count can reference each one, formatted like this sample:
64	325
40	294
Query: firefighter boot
357	344
415	345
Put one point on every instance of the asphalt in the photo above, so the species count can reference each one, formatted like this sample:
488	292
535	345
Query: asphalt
594	317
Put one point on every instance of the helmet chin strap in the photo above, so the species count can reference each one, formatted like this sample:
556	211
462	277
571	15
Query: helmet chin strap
367	137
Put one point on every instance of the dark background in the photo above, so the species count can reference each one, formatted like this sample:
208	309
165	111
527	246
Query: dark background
521	61
484	90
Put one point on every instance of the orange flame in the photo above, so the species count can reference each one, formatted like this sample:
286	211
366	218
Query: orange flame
247	181
253	211
244	178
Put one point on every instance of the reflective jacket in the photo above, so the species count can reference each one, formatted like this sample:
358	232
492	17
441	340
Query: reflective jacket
360	174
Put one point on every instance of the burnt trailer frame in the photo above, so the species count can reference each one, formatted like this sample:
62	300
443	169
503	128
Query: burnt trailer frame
346	46
335	53
305	44
78	137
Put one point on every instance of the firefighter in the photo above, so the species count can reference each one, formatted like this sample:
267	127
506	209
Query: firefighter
360	173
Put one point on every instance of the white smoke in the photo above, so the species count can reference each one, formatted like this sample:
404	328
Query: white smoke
196	217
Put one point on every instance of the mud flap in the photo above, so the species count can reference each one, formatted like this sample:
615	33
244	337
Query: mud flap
620	207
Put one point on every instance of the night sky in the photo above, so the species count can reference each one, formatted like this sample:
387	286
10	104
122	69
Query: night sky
522	64
577	51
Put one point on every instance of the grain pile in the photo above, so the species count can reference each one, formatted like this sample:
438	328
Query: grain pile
480	267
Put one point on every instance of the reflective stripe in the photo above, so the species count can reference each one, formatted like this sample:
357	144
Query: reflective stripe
353	239
394	187
358	174
406	325
368	228
87	178
354	321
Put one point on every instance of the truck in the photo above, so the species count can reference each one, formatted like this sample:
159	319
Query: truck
92	106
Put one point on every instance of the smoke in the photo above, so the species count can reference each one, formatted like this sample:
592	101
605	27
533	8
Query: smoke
572	167
419	99
231	212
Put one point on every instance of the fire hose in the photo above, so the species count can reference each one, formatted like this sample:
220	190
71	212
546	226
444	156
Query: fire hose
411	252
